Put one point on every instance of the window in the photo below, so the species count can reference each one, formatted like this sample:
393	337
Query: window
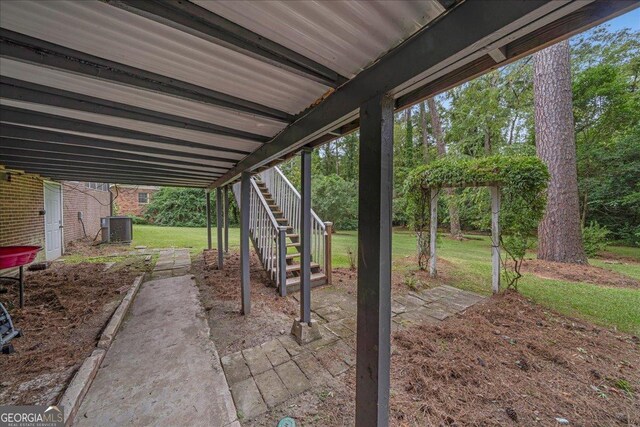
143	198
97	186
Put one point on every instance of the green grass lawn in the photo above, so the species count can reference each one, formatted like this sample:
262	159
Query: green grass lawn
609	306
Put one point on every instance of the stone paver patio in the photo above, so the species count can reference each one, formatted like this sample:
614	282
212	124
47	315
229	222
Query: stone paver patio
269	374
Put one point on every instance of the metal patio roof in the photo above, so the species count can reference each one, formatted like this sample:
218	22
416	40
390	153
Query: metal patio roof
185	93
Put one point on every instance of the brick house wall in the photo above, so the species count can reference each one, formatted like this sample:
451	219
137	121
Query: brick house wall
127	198
21	201
94	204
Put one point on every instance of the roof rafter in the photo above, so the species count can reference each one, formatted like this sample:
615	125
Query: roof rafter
200	22
35	118
39	52
128	164
91	151
35	134
20	90
72	165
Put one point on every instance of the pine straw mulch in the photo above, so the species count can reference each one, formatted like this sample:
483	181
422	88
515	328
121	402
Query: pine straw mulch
66	309
271	315
509	361
578	273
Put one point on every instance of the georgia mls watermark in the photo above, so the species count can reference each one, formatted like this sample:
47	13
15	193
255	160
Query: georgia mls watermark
31	416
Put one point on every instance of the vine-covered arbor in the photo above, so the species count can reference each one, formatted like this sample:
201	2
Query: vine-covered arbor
523	178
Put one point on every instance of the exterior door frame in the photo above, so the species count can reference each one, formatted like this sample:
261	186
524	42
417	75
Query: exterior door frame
44	199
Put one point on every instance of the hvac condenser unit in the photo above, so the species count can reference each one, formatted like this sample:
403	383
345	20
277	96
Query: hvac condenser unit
117	229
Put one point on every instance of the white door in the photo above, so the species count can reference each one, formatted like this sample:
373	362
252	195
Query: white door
52	220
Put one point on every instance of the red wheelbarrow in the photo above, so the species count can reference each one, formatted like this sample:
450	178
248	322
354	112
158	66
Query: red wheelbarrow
17	256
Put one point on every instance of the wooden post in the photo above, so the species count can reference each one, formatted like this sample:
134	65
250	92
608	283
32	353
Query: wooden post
495	239
373	355
327	252
433	232
226	219
219	223
305	235
245	207
208	209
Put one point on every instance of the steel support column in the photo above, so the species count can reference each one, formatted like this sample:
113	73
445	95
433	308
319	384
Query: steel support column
305	236
208	209
245	187
226	219
219	223
374	262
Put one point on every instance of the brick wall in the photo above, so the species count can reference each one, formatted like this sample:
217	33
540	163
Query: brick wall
127	199
21	201
93	204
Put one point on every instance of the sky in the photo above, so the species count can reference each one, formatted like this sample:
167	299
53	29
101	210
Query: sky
628	20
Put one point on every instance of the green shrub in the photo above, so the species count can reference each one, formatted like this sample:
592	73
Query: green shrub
594	238
138	220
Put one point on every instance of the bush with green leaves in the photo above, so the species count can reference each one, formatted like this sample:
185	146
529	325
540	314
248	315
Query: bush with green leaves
594	238
335	199
178	207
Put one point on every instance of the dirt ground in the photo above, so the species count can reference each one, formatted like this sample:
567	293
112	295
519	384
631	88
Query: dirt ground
505	361
66	309
578	273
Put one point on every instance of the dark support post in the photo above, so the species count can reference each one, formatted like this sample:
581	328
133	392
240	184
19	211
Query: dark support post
244	241
219	223
208	208
226	219
305	236
374	262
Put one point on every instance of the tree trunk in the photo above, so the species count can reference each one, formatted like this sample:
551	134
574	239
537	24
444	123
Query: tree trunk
436	125
425	136
559	234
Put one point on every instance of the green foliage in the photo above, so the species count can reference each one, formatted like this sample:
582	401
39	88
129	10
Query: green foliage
594	238
138	220
335	199
178	207
523	174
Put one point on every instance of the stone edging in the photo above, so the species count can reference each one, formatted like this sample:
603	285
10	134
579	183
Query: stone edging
81	381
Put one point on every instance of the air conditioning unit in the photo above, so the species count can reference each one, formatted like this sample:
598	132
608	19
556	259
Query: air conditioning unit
116	229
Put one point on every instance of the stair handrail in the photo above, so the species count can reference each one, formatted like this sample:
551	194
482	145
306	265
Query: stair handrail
287	197
267	235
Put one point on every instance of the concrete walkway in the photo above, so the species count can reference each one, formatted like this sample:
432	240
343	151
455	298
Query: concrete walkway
162	369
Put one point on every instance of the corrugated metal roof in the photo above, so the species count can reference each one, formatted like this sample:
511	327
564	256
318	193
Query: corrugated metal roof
111	33
139	97
180	62
345	36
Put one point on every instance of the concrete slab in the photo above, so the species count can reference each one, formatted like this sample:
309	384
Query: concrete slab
331	362
290	344
256	360
235	367
275	352
162	368
312	368
272	388
248	399
293	378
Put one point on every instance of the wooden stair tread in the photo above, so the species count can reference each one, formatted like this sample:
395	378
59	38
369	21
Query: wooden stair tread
296	267
315	277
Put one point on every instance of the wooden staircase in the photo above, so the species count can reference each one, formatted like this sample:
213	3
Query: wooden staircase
318	278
